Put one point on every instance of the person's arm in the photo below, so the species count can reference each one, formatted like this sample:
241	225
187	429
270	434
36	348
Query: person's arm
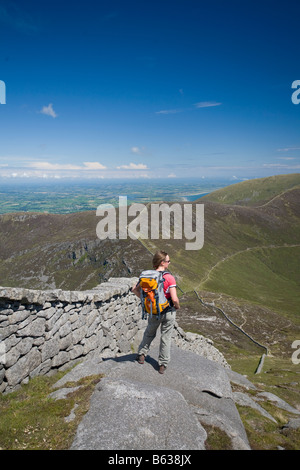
136	290
174	297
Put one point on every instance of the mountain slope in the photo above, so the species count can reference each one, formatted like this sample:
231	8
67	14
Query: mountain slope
230	229
255	192
46	251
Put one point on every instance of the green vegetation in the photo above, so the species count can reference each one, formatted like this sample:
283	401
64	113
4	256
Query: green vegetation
68	197
255	192
278	377
31	420
266	276
263	434
216	439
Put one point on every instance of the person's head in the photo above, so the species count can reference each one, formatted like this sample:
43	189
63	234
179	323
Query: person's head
161	259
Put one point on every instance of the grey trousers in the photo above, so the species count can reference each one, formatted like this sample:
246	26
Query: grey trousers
167	321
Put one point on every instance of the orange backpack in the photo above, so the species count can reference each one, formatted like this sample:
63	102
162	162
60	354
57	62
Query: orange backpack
153	297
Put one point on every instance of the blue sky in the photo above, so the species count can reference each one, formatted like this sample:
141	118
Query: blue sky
163	89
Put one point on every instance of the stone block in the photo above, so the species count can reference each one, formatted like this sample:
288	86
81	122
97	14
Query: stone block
61	358
50	348
34	329
19	371
22	348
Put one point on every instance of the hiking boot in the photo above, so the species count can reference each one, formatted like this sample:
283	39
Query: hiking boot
162	369
141	358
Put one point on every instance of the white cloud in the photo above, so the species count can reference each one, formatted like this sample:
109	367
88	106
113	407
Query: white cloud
169	111
53	166
172	175
49	111
206	104
280	165
286	158
274	165
201	104
133	166
94	166
67	166
288	149
138	150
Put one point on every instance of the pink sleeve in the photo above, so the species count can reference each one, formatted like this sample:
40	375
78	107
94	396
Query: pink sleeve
170	281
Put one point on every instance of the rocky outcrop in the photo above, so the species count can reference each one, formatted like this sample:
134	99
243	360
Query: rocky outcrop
134	407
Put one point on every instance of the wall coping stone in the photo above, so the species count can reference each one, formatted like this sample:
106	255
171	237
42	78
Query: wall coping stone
100	293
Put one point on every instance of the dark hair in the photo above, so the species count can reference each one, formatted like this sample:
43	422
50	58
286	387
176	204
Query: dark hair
158	258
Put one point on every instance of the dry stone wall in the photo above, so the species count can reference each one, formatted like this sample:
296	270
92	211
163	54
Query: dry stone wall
46	331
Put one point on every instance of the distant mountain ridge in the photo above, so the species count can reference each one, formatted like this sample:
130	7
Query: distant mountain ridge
255	192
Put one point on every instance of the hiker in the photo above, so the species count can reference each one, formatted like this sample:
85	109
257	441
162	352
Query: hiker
166	319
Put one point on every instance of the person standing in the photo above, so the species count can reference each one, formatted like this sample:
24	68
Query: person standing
161	261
